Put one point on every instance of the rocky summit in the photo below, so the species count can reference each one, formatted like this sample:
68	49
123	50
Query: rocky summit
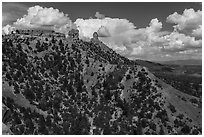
57	85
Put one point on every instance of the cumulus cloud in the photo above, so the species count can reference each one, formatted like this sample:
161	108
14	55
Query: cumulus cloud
139	41
7	30
99	16
176	42
147	43
65	28
155	25
103	32
189	22
151	42
115	26
197	32
38	17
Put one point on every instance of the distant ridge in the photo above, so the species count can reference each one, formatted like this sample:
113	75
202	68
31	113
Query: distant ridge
146	62
183	62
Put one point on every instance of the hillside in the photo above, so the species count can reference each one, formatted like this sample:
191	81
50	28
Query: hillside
57	85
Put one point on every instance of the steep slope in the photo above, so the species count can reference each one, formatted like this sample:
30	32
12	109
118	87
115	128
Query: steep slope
57	85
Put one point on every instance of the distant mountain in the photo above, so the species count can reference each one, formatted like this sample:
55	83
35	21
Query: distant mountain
56	85
183	62
148	63
154	66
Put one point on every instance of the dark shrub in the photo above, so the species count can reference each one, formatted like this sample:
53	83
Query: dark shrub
186	129
172	108
128	77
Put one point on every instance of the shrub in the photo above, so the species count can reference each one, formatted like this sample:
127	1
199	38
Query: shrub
172	108
186	129
128	77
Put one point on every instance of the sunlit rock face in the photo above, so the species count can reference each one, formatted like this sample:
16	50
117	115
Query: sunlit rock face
95	37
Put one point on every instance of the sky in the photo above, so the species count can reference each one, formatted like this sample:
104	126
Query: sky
138	30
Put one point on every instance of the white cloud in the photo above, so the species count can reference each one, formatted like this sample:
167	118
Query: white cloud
149	42
103	32
114	25
145	40
155	25
65	28
99	16
180	42
7	30
188	22
197	32
38	17
121	35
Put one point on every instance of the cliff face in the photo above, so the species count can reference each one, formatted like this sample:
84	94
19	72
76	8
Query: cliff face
58	85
